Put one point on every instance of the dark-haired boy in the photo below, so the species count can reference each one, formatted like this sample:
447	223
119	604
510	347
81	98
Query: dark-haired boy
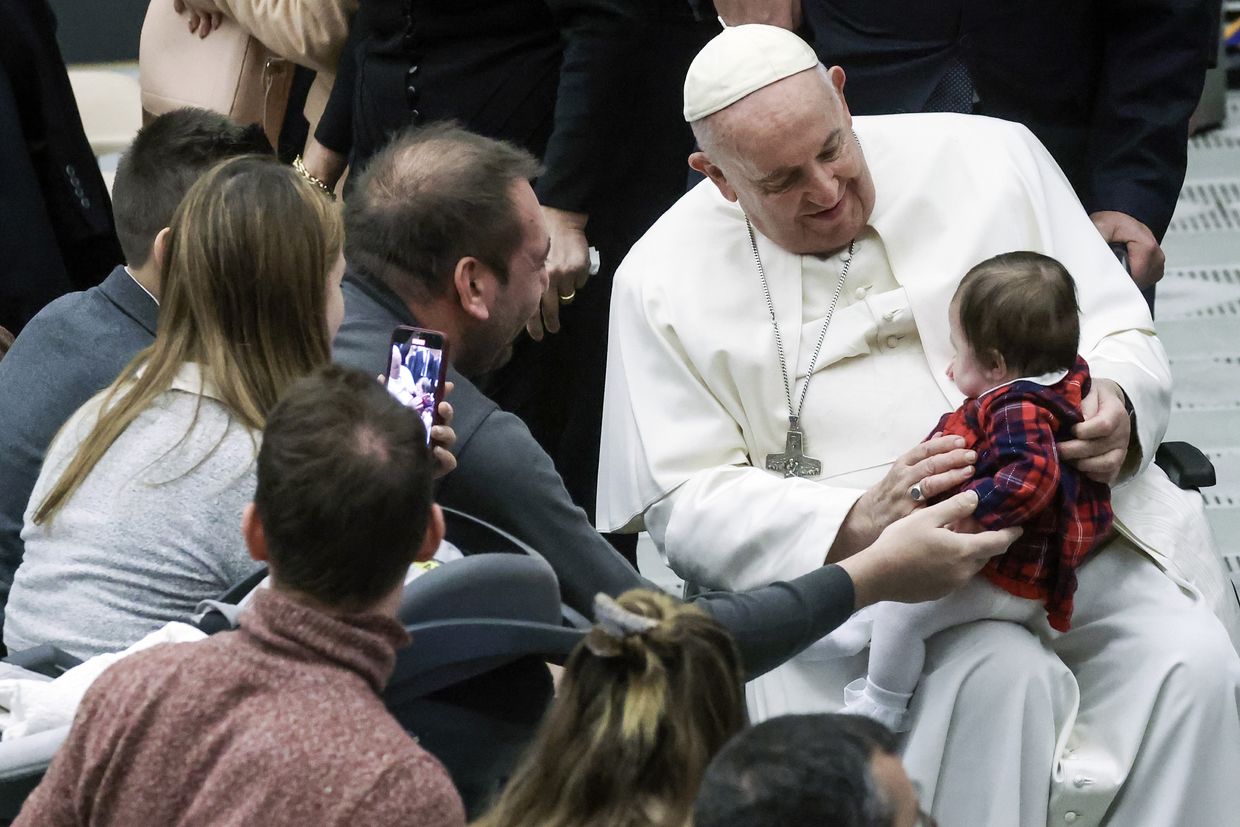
78	344
280	722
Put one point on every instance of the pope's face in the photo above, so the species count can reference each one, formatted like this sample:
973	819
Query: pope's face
788	155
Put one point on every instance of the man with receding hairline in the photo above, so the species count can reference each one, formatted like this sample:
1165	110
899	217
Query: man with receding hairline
779	345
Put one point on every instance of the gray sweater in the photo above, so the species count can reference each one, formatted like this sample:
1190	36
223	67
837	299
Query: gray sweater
154	528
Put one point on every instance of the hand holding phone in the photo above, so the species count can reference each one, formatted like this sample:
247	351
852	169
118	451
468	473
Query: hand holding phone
417	363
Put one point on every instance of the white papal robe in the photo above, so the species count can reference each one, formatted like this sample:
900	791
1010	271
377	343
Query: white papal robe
1134	715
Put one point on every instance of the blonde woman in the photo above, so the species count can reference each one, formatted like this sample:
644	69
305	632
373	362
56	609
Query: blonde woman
646	700
135	517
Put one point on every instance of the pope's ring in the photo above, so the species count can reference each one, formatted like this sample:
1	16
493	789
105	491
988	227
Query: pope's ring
916	494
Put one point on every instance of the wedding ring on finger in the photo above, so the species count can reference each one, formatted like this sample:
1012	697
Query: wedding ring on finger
569	298
916	494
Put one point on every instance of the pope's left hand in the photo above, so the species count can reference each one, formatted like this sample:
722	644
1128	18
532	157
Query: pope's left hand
568	268
443	437
1145	257
1101	440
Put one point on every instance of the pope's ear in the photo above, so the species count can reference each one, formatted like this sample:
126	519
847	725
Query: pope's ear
837	78
473	284
700	162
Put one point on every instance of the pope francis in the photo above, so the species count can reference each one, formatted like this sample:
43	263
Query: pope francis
778	343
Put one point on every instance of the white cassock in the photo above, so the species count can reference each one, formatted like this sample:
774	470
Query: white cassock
1134	715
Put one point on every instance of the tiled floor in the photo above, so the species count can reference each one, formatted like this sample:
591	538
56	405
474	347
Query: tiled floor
1199	320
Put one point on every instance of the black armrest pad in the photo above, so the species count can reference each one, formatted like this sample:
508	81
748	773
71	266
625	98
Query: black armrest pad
45	659
1185	465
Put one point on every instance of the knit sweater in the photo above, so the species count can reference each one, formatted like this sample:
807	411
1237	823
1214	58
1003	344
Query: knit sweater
277	723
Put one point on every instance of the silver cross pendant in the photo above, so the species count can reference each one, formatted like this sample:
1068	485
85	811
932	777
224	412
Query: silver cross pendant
793	462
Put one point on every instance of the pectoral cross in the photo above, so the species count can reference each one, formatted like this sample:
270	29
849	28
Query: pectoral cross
793	462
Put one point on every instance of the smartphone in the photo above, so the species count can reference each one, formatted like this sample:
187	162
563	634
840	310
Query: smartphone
417	362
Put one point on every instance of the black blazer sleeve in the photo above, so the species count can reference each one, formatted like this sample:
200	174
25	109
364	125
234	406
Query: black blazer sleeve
335	128
1155	57
601	43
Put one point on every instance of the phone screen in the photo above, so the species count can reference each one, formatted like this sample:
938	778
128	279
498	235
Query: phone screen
415	371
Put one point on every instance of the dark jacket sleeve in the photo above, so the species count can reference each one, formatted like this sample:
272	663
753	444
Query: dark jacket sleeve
335	128
1155	57
776	622
601	42
505	478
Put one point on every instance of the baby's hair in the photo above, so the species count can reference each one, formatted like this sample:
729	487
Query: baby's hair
1021	306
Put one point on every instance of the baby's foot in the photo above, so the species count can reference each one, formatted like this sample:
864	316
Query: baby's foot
888	708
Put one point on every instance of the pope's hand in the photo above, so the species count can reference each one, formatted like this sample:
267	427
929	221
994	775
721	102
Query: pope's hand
920	558
1101	440
568	268
784	13
204	15
443	437
936	466
1145	257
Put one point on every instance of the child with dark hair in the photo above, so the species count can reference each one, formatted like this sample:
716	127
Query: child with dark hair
1015	330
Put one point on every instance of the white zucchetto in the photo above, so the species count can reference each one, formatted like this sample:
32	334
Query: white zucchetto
741	60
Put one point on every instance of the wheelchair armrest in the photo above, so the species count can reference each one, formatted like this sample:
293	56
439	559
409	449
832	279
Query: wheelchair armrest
1185	464
45	659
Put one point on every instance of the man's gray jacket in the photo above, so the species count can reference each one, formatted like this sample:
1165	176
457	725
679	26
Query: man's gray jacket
505	478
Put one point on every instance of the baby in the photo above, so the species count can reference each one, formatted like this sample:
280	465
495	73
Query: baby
1015	331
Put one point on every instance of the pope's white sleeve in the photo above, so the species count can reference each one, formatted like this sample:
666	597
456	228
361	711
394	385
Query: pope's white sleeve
738	527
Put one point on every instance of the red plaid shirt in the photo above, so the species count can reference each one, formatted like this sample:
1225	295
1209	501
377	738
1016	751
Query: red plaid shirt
1020	481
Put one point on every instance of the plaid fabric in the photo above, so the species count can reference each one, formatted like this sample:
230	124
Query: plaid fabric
1020	481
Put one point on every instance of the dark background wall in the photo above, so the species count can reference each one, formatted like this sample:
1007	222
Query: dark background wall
99	31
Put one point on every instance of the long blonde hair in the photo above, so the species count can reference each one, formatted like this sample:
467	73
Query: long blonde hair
635	722
243	295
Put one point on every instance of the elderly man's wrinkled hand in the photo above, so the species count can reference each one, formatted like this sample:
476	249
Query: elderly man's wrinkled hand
1145	256
1100	443
783	13
935	466
921	558
568	268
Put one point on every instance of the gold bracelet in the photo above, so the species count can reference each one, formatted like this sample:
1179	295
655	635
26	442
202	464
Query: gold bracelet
300	167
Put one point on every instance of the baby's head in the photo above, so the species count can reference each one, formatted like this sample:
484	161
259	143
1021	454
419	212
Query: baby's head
1013	315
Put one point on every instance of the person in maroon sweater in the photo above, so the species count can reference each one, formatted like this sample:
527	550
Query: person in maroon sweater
1015	331
280	722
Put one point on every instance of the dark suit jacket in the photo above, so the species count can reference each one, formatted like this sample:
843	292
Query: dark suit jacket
71	350
56	233
591	87
503	477
1107	86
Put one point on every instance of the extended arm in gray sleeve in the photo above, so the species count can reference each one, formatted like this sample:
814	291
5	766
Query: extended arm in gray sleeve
774	623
